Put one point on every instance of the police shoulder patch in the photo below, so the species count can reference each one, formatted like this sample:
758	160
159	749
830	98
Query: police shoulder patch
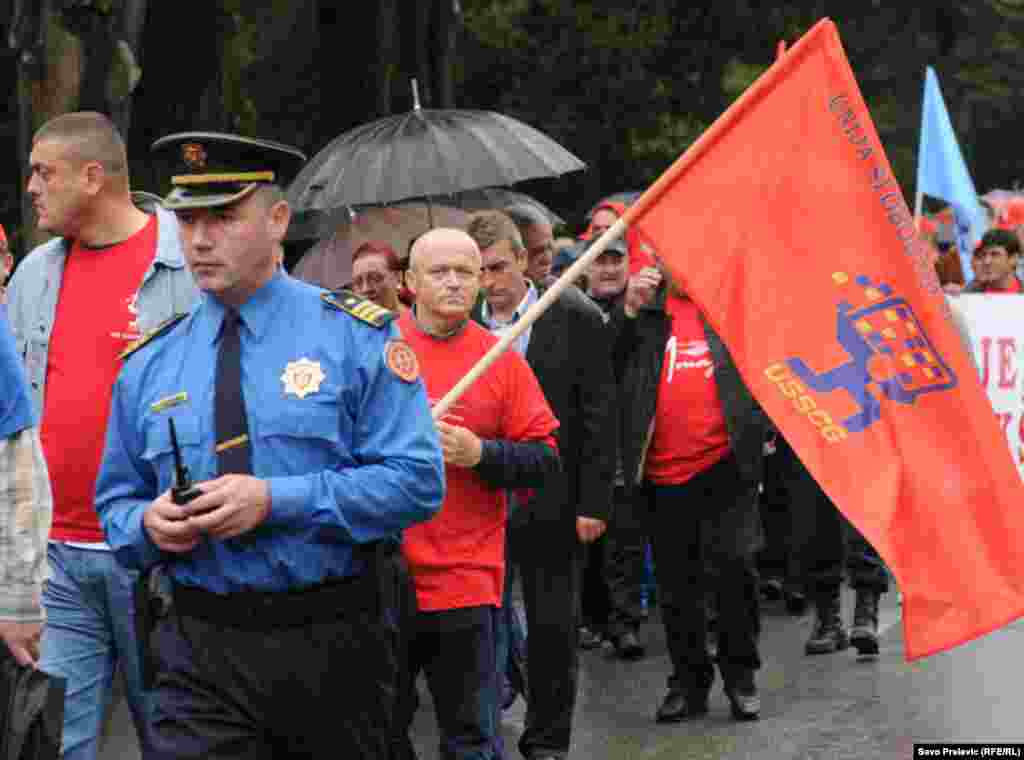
161	329
361	308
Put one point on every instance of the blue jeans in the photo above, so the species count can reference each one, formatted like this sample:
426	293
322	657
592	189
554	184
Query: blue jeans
89	630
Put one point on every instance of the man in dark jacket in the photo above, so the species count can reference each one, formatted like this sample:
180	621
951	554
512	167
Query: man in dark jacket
692	451
621	549
567	350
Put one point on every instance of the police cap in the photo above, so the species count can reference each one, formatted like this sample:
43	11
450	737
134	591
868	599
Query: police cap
215	169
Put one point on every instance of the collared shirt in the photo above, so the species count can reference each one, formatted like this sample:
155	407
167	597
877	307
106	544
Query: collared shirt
499	328
166	289
348	449
25	501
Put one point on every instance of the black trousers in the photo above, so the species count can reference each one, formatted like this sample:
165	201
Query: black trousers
325	689
456	649
777	559
624	553
825	544
691	526
549	558
595	595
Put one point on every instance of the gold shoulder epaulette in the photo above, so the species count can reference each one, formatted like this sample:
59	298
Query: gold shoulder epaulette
156	332
361	308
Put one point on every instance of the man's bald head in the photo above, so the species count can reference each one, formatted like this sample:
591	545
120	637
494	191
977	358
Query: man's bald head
88	137
439	240
444	276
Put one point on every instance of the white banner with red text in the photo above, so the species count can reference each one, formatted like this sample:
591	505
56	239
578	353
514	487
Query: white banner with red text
997	336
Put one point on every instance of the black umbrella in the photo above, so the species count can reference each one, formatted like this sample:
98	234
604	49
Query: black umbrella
505	200
427	153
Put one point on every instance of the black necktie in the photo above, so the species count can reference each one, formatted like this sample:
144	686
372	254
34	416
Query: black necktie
232	428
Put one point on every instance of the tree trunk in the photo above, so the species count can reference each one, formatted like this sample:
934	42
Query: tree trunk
81	58
444	52
387	54
49	83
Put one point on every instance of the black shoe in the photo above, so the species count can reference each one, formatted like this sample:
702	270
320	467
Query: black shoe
589	639
711	642
628	647
828	635
681	705
771	589
796	602
743	697
864	634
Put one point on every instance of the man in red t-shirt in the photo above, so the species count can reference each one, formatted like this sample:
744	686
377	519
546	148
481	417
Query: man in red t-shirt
497	436
75	303
692	452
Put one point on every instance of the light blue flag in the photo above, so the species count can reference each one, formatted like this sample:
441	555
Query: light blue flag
942	173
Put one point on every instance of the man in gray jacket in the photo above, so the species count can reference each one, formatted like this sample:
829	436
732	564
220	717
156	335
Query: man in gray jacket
114	272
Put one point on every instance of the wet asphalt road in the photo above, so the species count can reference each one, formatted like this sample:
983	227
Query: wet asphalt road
829	706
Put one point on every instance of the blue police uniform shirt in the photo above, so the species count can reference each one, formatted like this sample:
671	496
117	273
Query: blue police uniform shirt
15	405
356	459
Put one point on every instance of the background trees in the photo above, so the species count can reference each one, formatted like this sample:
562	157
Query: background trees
626	85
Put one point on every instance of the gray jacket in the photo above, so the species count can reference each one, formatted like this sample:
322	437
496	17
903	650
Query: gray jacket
167	289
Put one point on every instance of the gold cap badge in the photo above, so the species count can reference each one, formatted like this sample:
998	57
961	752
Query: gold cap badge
302	377
194	155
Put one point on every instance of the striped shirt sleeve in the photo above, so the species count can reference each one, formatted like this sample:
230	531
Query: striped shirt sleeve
26	508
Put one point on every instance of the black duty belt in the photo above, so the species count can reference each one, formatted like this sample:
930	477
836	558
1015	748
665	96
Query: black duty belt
264	610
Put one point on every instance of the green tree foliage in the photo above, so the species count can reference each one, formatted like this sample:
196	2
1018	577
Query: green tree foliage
625	84
629	85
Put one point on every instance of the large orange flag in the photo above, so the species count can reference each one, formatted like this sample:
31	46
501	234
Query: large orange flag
785	224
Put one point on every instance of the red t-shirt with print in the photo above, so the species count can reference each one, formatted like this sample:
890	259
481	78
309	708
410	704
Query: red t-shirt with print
457	558
95	321
689	427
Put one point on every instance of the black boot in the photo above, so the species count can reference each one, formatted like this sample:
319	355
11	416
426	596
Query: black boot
864	634
828	635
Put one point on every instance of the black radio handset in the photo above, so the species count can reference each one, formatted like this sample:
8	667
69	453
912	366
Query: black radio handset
182	490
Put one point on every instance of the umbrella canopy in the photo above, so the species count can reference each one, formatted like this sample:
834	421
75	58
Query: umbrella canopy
329	262
427	153
503	199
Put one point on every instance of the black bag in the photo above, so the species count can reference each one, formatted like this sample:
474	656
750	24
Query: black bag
32	717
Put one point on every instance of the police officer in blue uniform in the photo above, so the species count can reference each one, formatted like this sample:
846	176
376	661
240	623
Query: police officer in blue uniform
302	418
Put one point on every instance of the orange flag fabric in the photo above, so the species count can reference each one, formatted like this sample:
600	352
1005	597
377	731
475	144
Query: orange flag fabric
784	223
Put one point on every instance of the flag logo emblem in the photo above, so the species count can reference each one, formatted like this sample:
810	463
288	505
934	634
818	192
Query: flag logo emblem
890	353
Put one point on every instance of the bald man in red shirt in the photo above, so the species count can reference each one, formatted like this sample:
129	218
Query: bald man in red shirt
499	435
